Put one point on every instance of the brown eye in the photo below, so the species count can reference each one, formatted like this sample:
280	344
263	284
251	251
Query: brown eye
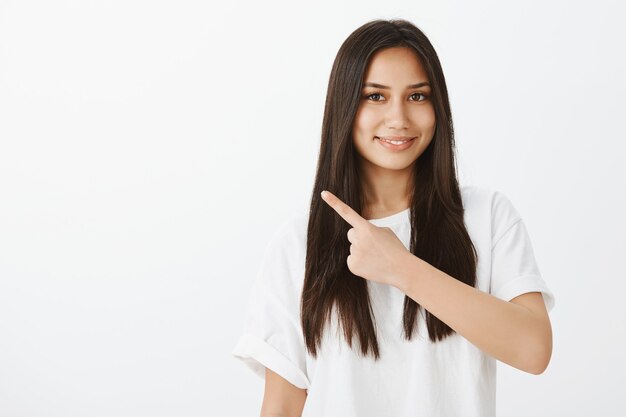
372	95
419	94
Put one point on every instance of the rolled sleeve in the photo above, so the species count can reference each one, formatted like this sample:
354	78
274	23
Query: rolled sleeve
514	269
257	354
272	336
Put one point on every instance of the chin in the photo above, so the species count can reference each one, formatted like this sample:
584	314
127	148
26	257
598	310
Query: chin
394	165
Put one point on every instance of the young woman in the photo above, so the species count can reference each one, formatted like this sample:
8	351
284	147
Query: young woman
398	291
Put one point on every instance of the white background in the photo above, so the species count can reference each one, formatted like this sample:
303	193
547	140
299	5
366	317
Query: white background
149	148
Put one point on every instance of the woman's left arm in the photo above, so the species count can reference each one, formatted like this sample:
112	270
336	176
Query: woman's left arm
517	332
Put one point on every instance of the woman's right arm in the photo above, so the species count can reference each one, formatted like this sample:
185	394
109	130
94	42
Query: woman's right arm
281	397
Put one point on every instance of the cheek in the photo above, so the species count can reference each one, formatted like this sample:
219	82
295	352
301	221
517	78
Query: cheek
425	118
365	121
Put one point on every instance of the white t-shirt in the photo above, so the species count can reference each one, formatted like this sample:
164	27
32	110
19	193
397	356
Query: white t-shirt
412	378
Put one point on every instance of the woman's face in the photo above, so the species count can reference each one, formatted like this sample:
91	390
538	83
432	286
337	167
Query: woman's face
395	105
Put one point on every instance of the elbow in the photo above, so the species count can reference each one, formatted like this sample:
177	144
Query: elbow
538	367
539	358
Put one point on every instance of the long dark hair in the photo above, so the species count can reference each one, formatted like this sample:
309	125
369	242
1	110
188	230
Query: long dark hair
438	232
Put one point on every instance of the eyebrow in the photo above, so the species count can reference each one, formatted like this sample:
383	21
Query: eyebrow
376	85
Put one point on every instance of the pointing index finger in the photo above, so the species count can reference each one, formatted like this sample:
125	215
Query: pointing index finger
344	210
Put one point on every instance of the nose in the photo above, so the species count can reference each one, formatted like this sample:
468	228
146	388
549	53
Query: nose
396	117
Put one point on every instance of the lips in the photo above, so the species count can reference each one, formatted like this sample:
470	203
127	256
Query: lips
397	139
395	143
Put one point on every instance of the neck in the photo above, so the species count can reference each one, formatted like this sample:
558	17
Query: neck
385	191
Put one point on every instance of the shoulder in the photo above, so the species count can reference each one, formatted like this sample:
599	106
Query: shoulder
291	232
475	196
281	271
490	205
286	246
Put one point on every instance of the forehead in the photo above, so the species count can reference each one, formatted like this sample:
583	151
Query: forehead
395	66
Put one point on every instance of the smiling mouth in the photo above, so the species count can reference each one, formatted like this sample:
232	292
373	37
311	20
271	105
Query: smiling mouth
395	145
394	141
